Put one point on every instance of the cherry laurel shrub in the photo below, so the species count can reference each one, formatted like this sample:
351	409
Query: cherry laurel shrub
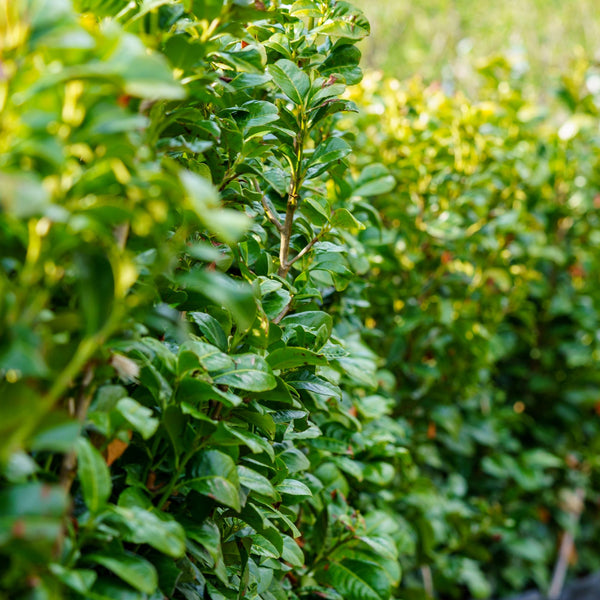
255	344
483	302
180	370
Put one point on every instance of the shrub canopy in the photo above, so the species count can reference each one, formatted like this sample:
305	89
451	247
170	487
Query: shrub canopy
262	336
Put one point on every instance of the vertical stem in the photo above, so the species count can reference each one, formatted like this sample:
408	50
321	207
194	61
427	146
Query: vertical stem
292	203
566	548
427	581
69	464
286	234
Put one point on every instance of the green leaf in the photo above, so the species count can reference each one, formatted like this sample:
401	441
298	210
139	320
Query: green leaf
19	467
80	580
138	416
357	580
291	80
293	487
347	22
156	530
22	195
248	60
215	475
93	475
305	8
33	499
314	384
294	460
193	354
144	74
343	219
96	288
57	432
131	568
263	547
292	358
329	151
258	483
192	391
292	553
259	113
250	372
203	198
325	92
343	61
229	435
211	329
225	292
374	180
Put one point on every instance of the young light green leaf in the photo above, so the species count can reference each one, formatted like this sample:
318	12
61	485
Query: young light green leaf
344	219
305	8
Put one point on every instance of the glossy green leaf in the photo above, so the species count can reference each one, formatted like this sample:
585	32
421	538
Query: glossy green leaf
292	553
250	372
211	329
292	358
138	416
258	483
94	476
154	529
214	474
195	354
291	80
131	568
331	150
357	580
293	487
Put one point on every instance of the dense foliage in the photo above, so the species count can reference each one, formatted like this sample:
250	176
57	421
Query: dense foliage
487	255
256	344
175	217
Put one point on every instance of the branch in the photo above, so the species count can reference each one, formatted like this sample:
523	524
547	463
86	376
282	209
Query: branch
286	234
567	545
285	311
271	214
427	581
307	248
69	463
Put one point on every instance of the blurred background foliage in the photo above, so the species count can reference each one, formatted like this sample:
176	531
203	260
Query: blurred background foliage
444	40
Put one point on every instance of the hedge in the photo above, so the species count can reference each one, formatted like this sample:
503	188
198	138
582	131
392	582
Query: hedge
257	344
